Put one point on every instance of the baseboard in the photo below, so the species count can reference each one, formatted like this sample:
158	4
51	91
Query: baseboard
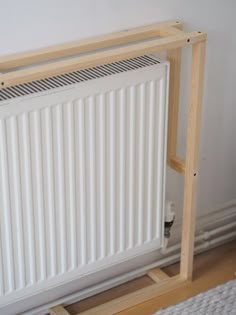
212	230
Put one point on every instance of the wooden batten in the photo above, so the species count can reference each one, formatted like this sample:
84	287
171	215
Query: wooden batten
137	297
192	157
78	63
58	310
157	275
170	31
87	45
177	164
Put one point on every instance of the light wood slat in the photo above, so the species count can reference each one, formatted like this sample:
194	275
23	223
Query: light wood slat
44	71
170	31
177	164
82	46
192	153
137	297
174	57
174	41
212	268
58	310
157	275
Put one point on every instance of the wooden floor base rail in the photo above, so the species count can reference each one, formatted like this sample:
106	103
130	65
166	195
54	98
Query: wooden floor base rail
157	275
177	164
58	310
169	31
163	284
136	297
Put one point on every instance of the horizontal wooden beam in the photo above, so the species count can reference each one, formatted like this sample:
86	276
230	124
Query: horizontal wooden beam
86	45
177	164
137	297
157	275
58	310
104	57
170	31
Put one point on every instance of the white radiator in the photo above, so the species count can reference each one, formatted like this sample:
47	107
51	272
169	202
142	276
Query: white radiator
82	173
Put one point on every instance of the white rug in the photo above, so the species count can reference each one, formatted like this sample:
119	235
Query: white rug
218	301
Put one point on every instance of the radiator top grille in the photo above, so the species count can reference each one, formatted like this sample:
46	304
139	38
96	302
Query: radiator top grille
76	77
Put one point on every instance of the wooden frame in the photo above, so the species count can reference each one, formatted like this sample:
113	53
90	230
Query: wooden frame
171	39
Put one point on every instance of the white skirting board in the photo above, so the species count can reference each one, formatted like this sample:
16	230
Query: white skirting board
212	230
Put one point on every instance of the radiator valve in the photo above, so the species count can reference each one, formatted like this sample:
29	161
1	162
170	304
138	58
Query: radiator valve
169	218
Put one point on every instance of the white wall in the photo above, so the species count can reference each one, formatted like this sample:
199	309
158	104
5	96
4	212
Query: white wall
28	24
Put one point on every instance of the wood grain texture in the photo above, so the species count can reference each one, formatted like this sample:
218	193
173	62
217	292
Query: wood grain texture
170	30
157	275
210	269
191	160
86	45
98	58
58	310
109	295
174	57
136	297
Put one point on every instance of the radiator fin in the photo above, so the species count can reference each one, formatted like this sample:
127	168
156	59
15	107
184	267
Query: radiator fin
83	171
82	175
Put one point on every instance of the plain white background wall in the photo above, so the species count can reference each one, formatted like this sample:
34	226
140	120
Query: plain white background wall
28	24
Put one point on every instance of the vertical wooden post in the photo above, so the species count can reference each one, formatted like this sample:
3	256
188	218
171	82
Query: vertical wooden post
174	57
192	153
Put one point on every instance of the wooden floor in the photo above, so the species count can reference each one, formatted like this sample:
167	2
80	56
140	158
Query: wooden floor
210	269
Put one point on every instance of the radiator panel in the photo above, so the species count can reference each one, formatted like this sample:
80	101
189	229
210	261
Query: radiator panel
81	179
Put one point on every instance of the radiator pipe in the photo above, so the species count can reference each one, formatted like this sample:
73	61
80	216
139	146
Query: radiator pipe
202	237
